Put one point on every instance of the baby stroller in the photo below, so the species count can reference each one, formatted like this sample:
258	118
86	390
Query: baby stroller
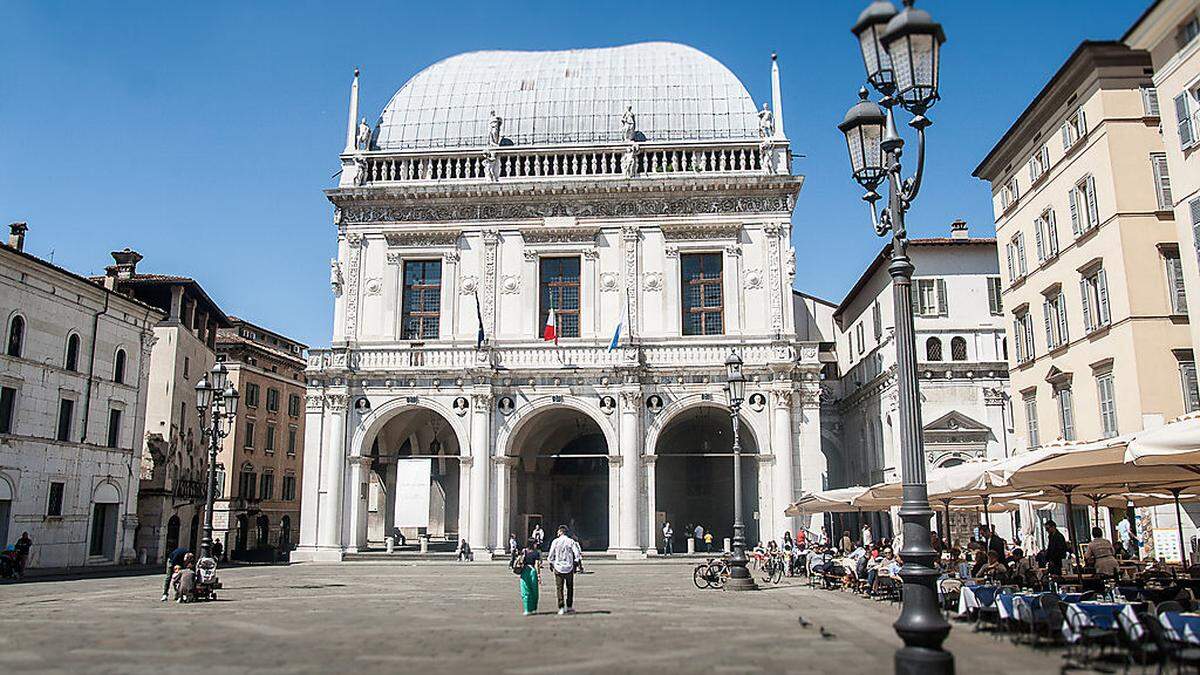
206	579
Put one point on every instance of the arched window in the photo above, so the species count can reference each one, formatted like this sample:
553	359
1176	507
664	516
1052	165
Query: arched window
933	349
958	349
16	336
71	362
119	367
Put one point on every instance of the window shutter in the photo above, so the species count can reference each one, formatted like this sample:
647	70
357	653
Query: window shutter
1178	285
1093	211
1186	135
1102	295
1049	324
1033	174
1021	253
916	297
1063	334
1051	233
1012	270
942	300
1083	128
1038	239
1087	305
1017	340
1066	136
1045	155
1162	181
1028	336
1074	195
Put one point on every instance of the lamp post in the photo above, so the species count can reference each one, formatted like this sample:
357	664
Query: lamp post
900	51
219	399
735	389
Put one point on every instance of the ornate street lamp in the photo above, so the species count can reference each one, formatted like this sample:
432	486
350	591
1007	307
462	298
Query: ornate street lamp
217	398
906	76
739	574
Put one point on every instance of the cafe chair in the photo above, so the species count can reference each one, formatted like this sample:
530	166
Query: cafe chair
1180	654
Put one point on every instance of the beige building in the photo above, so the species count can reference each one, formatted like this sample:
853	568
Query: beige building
257	511
1091	269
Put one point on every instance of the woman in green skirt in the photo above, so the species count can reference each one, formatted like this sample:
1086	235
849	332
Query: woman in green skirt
530	560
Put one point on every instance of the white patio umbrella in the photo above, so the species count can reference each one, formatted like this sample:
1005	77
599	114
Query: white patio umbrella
1177	443
839	500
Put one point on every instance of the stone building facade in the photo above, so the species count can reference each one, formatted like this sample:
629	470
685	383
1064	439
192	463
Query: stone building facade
652	224
73	392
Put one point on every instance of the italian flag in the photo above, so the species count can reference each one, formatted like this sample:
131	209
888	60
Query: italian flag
550	332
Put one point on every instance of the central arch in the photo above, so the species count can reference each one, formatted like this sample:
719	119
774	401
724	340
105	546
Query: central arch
559	476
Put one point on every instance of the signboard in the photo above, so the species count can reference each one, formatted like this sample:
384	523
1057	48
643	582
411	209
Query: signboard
412	492
1166	544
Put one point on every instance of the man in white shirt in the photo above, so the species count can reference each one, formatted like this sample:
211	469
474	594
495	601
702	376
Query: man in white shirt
866	535
668	536
699	535
564	559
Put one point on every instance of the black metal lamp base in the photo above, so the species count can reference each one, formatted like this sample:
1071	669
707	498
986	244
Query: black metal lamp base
740	584
923	661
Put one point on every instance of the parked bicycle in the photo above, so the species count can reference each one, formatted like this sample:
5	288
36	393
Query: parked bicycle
772	568
711	574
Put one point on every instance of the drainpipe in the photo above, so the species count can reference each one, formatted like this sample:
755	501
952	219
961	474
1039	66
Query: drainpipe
87	396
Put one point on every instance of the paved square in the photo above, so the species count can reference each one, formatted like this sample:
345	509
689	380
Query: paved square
441	617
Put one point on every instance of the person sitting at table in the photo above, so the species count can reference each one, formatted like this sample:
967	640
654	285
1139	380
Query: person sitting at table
979	562
993	569
1100	554
1056	549
1024	568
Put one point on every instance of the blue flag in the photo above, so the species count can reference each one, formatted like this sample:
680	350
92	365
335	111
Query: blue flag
616	336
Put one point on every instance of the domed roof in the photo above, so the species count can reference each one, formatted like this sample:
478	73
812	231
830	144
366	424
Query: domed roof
678	93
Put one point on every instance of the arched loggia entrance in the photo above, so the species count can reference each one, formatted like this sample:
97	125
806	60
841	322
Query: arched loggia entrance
559	476
415	479
694	476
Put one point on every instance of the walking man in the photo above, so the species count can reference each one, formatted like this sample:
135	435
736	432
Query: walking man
173	558
668	534
699	534
565	557
539	535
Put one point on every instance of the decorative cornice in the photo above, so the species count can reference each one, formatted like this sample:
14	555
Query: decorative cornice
559	235
422	238
700	231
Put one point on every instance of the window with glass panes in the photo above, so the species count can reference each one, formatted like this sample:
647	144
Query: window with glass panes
247	480
558	288
703	299
267	486
421	307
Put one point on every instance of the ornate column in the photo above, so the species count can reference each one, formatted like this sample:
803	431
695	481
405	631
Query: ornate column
360	477
615	507
781	447
631	451
774	233
491	242
504	465
315	449
629	264
330	534
481	414
649	461
354	243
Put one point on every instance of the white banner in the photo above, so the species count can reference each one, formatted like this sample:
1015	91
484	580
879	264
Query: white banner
412	492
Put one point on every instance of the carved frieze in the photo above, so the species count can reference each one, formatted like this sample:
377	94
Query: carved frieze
559	235
354	243
700	231
422	239
614	208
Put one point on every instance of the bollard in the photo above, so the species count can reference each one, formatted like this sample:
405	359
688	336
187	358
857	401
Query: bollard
424	545
691	545
391	544
728	545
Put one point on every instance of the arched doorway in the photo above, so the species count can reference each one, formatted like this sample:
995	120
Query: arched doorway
560	477
262	529
415	479
172	535
694	475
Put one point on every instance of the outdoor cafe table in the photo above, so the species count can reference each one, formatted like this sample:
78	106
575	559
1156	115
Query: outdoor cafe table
1181	626
1099	614
974	596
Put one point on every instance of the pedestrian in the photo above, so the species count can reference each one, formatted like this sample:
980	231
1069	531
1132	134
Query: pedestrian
217	549
668	544
174	559
708	540
866	535
565	557
22	548
996	543
539	535
464	551
847	544
528	564
513	547
1056	549
698	533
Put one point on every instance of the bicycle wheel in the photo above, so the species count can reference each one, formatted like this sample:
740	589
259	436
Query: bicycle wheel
700	577
777	574
719	572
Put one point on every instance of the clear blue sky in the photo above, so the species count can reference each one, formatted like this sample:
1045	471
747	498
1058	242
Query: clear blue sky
202	134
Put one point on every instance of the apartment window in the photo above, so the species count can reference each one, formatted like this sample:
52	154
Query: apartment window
187	364
291	446
929	297
247	481
1187	379
1023	334
1016	264
1084	212
272	399
1108	404
71	361
1010	193
1184	110
1149	100
933	349
8	409
422	302
251	395
293	405
66	410
1046	235
289	488
702	294
16	336
858	334
1039	164
1055	307
1093	289
1074	129
876	321
114	428
267	486
1175	284
958	348
270	443
560	292
54	501
995	304
1162	181
249	440
1187	31
1066	413
119	367
1031	421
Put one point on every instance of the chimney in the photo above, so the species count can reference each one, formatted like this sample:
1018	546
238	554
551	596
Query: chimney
958	229
125	267
16	235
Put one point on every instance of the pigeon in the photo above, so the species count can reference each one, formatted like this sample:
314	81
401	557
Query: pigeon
825	634
804	623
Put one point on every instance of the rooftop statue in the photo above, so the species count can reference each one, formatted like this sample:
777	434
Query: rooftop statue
494	125
363	138
629	124
766	122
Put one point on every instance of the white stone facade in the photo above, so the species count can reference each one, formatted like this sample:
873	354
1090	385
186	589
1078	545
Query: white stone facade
77	498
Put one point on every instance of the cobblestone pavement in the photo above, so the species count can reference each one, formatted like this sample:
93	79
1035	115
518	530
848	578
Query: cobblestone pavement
404	617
